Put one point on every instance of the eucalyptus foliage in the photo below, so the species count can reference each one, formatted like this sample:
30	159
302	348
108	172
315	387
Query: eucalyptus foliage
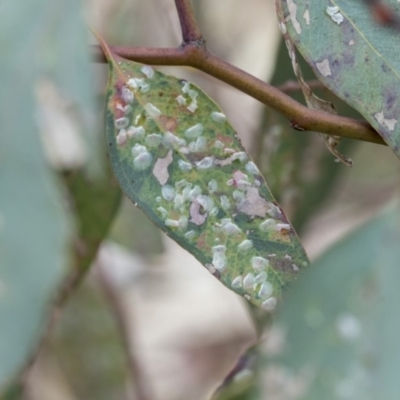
172	151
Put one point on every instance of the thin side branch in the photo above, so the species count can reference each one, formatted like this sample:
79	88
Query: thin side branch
146	55
294	86
190	30
300	117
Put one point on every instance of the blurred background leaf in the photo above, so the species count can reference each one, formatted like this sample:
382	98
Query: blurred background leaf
88	323
339	324
94	204
14	391
47	53
33	229
65	60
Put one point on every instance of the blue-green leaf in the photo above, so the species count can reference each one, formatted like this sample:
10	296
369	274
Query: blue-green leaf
33	225
340	323
355	57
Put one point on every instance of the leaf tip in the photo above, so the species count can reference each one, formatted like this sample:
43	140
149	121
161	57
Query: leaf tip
104	46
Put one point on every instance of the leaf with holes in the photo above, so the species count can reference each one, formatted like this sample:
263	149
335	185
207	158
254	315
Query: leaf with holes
339	37
176	156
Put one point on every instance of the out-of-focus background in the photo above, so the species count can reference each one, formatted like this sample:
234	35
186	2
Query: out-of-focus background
149	322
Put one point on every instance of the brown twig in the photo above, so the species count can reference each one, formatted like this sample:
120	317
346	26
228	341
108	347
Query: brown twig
300	117
294	86
190	30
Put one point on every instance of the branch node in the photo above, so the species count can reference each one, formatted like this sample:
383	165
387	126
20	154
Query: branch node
198	43
296	126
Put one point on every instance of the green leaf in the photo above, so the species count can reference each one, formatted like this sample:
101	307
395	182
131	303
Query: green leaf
13	392
88	331
32	227
95	203
337	37
177	157
67	60
340	324
58	34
